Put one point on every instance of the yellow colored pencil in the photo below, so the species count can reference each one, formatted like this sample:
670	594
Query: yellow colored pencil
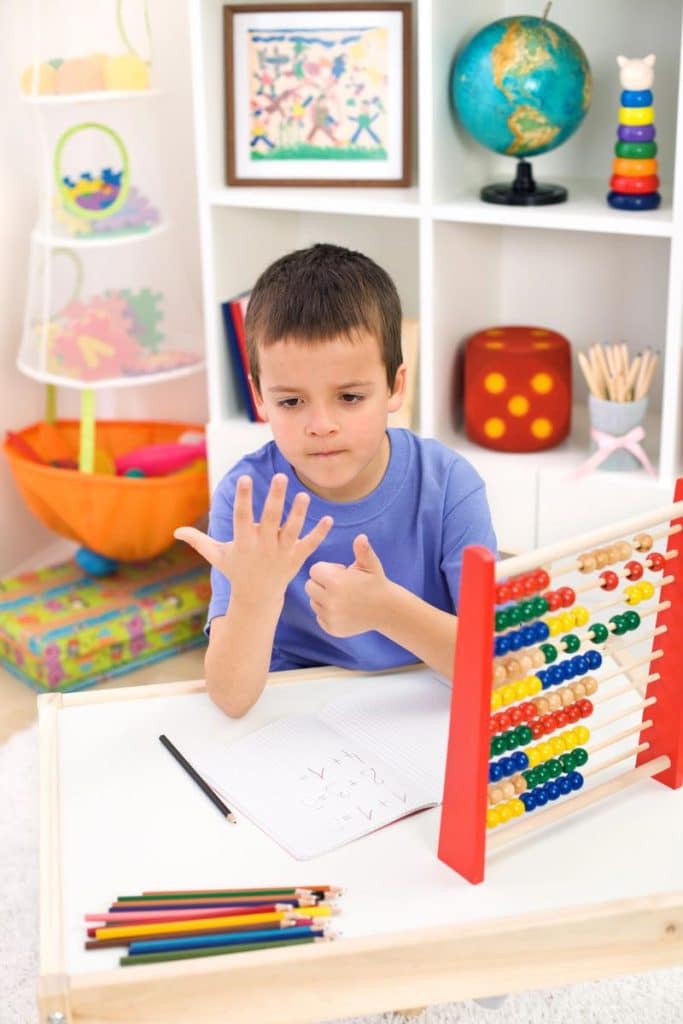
131	930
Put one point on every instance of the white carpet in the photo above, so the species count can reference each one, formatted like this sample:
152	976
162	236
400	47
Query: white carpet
655	998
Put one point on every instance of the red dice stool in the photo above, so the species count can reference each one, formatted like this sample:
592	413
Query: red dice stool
518	391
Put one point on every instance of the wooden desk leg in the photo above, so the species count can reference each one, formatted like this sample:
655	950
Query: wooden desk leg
413	1011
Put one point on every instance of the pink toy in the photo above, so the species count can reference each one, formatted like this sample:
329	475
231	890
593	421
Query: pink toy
161	459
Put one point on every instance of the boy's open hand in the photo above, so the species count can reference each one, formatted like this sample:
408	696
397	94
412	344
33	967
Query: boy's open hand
348	600
262	557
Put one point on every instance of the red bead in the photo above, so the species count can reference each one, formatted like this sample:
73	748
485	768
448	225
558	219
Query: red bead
655	561
516	715
561	718
567	596
504	720
585	708
542	579
573	713
537	730
547	723
529	584
503	594
493	725
530	711
633	570
516	590
554	600
609	580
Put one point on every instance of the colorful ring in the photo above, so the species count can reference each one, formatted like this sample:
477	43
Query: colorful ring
648	201
636	132
636	98
634	186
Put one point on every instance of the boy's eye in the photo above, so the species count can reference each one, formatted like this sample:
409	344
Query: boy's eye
288	403
350	399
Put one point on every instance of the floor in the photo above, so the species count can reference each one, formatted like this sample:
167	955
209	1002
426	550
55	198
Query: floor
18	708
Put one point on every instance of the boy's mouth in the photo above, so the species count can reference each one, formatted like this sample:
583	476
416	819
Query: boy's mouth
327	454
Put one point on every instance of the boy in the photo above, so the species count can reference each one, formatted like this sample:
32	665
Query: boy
339	542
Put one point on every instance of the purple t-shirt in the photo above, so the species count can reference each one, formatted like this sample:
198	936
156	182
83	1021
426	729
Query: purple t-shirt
429	505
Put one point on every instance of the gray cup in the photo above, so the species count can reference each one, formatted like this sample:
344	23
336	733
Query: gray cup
616	418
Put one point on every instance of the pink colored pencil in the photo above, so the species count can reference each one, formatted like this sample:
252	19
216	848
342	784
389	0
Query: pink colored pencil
143	917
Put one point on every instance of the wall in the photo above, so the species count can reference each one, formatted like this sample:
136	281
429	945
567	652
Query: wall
21	399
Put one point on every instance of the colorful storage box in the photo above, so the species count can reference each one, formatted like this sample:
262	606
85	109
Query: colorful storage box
63	630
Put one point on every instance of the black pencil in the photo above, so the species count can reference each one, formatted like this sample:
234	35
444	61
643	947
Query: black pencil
213	797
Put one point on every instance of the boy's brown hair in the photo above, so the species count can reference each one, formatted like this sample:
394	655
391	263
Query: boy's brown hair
324	292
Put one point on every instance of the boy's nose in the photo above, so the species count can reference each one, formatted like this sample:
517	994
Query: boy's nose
321	422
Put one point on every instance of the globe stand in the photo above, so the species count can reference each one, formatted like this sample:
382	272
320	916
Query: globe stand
523	191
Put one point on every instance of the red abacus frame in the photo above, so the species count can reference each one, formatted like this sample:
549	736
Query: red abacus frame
463	829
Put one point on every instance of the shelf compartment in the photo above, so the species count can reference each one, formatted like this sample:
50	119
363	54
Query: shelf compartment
367	202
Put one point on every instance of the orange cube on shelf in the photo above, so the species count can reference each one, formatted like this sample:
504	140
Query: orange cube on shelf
518	388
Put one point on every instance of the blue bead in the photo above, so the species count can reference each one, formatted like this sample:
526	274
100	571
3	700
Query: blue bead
636	98
564	785
580	663
552	790
529	801
520	761
575	780
542	675
529	635
506	766
502	645
542	631
541	796
566	669
555	675
495	772
516	641
594	658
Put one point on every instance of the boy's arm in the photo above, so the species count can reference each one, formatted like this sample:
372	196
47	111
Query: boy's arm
259	563
425	631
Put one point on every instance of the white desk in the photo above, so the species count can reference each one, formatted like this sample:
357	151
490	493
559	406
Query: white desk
598	894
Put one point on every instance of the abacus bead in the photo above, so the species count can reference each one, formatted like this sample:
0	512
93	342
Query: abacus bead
531	711
520	761
586	708
541	797
501	645
513	668
656	561
499	674
555	701
643	542
508	790
516	590
619	625
525	735
647	589
567	695
594	658
529	584
534	685
497	746
555	675
609	580
580	756
541	631
633	570
564	785
504	721
502	621
579	688
553	599
540	605
590	685
587	562
502	593
625	550
514	615
493	725
549	652
599	632
495	794
613	553
567	596
571	642
553	790
516	715
516	641
582	735
496	700
542	579
542	706
580	664
632	619
581	615
495	772
520	784
517	808
601	558
511	740
529	801
576	780
492	817
566	620
529	635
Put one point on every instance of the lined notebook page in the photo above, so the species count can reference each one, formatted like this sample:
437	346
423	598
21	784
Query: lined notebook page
316	782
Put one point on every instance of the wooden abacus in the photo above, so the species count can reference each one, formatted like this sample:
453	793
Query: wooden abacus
504	608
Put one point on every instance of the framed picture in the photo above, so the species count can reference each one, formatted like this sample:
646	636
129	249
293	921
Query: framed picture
318	94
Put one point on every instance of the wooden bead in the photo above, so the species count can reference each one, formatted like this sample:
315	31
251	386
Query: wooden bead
526	662
537	658
579	688
566	696
513	668
601	557
542	705
554	701
587	563
520	784
508	790
495	794
590	684
643	542
499	674
625	550
613	553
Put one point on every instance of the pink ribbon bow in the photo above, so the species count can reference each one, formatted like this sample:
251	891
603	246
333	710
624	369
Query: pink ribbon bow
608	443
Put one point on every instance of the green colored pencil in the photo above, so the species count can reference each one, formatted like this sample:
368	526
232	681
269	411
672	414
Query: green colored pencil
188	954
224	893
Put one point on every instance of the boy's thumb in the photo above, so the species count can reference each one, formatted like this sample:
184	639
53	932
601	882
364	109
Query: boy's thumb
365	556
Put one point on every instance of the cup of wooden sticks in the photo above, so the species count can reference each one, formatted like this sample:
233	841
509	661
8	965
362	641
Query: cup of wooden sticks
617	403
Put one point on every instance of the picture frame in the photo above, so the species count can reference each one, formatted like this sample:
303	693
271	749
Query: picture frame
318	94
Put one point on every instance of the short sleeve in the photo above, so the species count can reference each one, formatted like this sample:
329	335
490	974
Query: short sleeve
468	521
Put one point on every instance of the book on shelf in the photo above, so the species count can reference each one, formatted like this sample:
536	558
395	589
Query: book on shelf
316	781
233	311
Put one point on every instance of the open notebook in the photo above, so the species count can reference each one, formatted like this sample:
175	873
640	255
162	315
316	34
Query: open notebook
314	782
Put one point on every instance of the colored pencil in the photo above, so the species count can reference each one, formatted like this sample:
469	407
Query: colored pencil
201	905
147	916
220	939
133	930
235	892
94	943
191	954
204	786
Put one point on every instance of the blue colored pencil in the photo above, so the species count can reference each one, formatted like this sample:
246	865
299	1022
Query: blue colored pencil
221	939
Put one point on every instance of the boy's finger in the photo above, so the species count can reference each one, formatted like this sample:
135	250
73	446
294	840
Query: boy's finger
316	536
243	512
273	506
325	573
297	515
206	546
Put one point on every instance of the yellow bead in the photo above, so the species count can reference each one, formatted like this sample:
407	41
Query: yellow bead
492	817
570	740
557	744
518	808
505	812
582	735
581	615
647	589
535	686
546	751
534	756
507	694
520	689
633	593
496	700
566	621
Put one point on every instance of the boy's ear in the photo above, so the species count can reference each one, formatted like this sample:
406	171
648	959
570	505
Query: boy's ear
258	400
399	389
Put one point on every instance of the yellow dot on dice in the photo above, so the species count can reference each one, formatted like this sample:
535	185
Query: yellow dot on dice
541	428
495	383
542	383
494	344
518	405
494	427
494	331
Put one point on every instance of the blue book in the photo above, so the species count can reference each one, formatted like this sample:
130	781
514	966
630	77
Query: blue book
239	367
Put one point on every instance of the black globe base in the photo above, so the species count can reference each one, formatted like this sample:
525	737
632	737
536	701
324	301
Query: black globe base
523	191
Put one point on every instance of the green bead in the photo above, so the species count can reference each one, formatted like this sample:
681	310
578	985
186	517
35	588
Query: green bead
579	756
527	610
502	621
525	735
632	619
599	632
571	643
620	626
636	150
549	652
567	762
510	739
540	605
514	615
542	772
497	746
529	776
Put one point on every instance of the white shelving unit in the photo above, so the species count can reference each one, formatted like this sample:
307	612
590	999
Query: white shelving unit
592	273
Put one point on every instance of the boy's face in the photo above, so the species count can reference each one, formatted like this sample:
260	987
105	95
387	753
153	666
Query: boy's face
327	405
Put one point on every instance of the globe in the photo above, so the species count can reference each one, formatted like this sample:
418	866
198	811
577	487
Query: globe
522	86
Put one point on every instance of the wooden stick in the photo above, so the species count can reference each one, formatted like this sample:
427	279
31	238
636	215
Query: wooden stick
624	734
623	713
551	552
632	375
530	823
600	355
633	752
588	374
652	678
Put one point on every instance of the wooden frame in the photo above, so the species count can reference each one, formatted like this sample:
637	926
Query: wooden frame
250	122
351	976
